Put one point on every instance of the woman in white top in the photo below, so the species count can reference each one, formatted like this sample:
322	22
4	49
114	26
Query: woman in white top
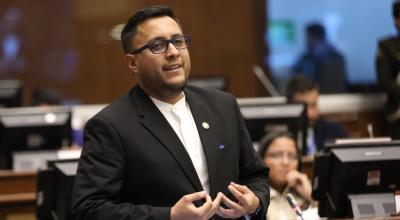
280	154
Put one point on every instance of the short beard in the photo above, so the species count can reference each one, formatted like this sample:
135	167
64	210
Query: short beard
174	89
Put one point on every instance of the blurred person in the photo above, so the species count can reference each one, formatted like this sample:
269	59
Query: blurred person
322	62
302	89
11	59
167	150
280	153
388	74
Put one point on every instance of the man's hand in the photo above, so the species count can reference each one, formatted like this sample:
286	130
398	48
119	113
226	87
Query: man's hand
185	209
247	203
300	183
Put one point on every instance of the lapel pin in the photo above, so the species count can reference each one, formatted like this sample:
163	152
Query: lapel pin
205	125
221	146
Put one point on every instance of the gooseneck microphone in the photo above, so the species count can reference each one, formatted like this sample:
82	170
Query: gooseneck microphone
294	205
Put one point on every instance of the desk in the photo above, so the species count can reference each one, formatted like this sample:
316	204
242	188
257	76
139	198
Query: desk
17	194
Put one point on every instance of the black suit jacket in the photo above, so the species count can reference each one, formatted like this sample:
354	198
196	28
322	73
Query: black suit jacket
325	131
388	67
133	165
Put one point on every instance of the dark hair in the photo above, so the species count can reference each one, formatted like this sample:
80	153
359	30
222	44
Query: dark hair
139	17
299	84
270	137
396	9
316	30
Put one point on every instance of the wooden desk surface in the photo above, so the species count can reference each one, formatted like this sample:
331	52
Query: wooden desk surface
17	198
17	182
17	193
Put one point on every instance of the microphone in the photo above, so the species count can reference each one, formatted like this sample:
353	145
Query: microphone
370	129
265	81
294	205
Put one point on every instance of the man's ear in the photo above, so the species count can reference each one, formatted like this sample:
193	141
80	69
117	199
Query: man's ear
131	61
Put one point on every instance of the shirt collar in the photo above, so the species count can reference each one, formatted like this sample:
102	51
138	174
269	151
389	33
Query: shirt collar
274	193
181	104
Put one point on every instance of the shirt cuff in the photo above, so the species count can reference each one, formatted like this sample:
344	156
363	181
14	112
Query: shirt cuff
249	216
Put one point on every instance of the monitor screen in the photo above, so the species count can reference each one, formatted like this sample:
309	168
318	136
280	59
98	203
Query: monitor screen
353	170
54	189
33	128
266	117
345	28
10	93
213	82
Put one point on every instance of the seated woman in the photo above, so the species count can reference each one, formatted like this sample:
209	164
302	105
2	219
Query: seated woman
280	154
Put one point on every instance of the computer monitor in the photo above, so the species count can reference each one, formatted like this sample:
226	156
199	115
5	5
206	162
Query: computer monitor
31	129
266	117
357	180
10	93
214	82
54	190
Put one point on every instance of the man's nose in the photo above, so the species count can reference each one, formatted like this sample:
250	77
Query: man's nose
171	50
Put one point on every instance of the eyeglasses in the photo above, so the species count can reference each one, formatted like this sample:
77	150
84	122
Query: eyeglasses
161	45
281	155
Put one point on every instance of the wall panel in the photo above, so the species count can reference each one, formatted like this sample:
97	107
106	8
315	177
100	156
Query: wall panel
67	45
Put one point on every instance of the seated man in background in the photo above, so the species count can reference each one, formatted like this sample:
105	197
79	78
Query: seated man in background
302	89
280	154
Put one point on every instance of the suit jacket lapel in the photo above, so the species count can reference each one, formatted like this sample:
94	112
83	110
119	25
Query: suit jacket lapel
155	122
203	117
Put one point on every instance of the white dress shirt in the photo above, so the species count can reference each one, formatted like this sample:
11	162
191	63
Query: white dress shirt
181	120
311	145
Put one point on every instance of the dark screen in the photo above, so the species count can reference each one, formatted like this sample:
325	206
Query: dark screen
351	170
263	118
34	128
10	93
55	186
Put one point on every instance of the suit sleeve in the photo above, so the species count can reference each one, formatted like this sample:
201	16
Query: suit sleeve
384	71
253	172
100	177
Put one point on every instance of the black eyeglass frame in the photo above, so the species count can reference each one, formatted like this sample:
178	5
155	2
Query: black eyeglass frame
186	38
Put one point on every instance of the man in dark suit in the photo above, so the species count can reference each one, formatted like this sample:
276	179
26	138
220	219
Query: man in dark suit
166	150
388	67
302	89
